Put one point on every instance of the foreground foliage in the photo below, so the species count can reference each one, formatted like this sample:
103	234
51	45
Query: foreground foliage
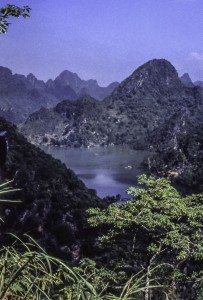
32	274
158	226
154	243
28	272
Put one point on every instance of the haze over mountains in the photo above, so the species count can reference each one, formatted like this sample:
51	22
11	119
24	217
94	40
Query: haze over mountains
140	104
21	95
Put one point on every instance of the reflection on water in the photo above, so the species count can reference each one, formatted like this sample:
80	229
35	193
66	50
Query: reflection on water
108	170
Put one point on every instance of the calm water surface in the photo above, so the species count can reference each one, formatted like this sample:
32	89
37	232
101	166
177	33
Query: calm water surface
108	170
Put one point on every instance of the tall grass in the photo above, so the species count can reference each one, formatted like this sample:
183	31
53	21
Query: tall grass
30	273
5	190
33	274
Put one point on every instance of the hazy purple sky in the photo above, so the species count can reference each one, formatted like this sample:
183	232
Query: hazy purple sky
104	39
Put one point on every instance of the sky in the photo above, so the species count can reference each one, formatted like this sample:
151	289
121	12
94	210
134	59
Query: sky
104	40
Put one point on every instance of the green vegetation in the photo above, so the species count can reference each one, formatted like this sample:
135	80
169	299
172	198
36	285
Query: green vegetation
151	248
158	227
29	274
9	11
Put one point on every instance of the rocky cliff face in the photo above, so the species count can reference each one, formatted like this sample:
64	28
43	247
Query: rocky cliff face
145	100
179	146
54	200
20	95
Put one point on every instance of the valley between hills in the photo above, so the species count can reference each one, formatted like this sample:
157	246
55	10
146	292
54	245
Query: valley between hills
154	110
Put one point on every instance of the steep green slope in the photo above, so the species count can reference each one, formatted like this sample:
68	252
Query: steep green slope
54	200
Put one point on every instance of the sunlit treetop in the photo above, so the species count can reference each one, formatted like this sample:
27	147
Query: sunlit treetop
169	223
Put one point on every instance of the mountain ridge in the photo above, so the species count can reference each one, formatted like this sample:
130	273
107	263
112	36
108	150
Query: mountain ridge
21	95
137	106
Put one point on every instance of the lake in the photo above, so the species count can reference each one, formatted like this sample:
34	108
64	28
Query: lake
109	170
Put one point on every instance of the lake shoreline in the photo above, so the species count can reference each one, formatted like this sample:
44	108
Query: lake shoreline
108	170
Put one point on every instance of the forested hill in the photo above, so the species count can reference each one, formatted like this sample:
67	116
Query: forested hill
54	200
141	104
22	95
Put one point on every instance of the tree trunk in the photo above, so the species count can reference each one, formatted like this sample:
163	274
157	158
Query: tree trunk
147	292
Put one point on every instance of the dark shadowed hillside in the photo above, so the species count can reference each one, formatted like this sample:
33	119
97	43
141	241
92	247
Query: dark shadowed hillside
179	146
54	200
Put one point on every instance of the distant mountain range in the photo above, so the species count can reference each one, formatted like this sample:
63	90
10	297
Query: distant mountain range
152	109
198	83
187	81
20	95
